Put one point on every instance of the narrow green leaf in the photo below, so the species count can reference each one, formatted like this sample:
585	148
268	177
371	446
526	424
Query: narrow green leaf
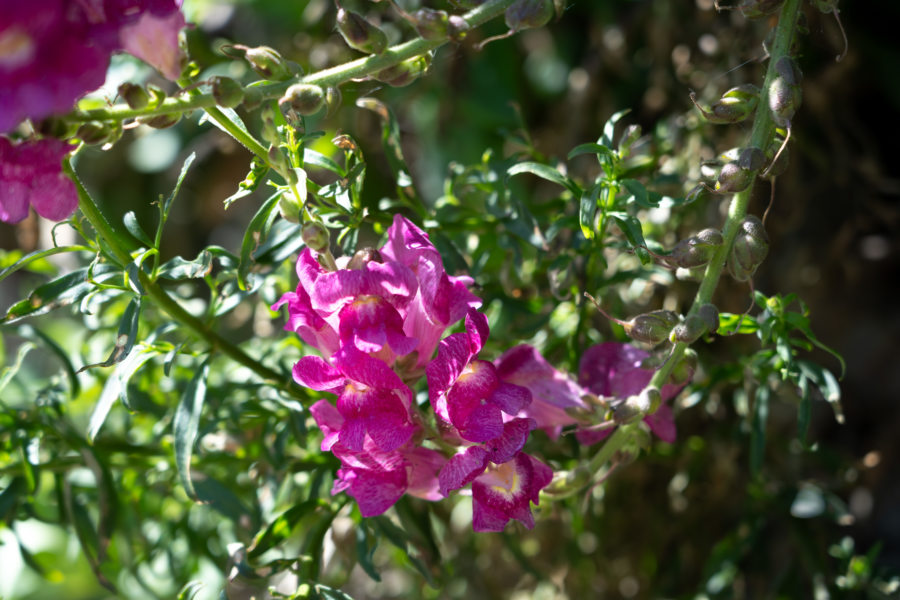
134	228
366	544
633	231
35	334
317	159
328	593
38	255
545	172
125	337
178	268
223	500
587	209
609	128
63	291
10	371
256	232
801	322
758	428
590	148
282	526
167	204
730	324
115	388
190	590
639	193
186	425
827	384
9	497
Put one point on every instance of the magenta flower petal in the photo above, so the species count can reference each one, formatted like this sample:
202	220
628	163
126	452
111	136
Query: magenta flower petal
315	373
504	492
374	489
462	469
524	365
361	367
422	467
370	323
510	398
329	421
662	423
333	289
477	330
154	39
303	320
614	369
31	173
511	441
483	423
380	413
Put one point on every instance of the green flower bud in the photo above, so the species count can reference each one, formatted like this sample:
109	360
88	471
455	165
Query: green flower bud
94	133
749	250
567	483
404	73
785	93
333	99
160	121
227	92
752	159
457	27
637	407
735	105
364	257
268	63
733	179
359	33
304	98
685	368
289	207
315	236
695	251
135	96
528	14
431	24
57	127
688	331
651	328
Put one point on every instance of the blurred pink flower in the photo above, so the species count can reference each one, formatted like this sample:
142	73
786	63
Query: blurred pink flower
31	175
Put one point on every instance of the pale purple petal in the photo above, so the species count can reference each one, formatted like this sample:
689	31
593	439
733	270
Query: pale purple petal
329	421
614	369
662	423
154	39
422	467
524	365
510	398
31	173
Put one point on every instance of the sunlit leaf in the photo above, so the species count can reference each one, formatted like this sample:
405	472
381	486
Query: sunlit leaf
186	423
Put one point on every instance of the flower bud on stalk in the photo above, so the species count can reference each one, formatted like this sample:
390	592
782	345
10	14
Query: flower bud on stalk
523	14
315	236
685	367
267	63
160	121
135	96
94	133
695	251
304	98
735	105
404	73
749	250
651	328
785	95
694	327
227	92
637	407
359	33
710	315
733	178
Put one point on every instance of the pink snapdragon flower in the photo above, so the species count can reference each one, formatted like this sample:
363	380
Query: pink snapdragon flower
31	175
52	52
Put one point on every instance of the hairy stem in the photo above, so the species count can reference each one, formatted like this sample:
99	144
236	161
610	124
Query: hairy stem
357	69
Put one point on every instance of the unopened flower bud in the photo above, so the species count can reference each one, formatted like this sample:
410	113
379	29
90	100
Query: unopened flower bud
267	63
405	72
431	24
751	158
567	483
57	127
359	33
135	96
289	207
227	92
696	250
688	331
160	121
315	236
749	250
457	27
364	257
735	105
684	369
304	98
785	93
733	178
652	327
98	132
528	14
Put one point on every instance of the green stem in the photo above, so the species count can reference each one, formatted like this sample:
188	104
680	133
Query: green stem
334	76
760	137
117	243
247	140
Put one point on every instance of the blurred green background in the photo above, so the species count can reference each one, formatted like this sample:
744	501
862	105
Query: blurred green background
687	520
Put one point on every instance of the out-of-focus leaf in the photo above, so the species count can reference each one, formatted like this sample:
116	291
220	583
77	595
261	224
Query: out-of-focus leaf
35	334
758	428
317	159
730	323
390	138
280	529
330	593
256	232
10	371
545	172
631	227
366	544
190	590
186	423
587	209
609	128
827	384
126	336
590	148
116	387
38	255
804	409
222	499
638	193
801	322
9	496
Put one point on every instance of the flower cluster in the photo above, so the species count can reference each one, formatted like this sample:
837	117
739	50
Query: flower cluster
52	52
378	321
